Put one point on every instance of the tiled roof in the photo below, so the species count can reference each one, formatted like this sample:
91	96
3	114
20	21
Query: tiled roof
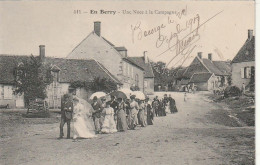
70	69
246	53
223	66
200	77
211	66
196	66
7	65
184	81
141	63
220	68
180	72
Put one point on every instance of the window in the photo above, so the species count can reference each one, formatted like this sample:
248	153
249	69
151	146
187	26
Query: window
136	80
129	73
8	92
246	72
55	76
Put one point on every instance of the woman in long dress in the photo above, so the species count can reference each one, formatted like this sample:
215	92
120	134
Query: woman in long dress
109	125
82	123
102	107
133	113
141	113
149	111
121	116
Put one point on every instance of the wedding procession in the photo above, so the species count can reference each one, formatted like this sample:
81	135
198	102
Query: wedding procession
118	111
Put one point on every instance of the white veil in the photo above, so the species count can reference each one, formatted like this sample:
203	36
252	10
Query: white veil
87	108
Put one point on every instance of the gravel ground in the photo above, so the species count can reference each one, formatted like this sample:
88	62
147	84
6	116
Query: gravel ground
200	133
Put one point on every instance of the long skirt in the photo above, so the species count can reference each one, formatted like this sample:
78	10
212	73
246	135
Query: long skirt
141	118
109	125
121	121
149	118
83	127
173	109
133	121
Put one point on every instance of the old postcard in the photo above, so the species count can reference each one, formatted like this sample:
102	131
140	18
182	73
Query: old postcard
127	82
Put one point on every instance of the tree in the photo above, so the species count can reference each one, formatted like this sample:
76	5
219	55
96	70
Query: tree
31	79
103	84
98	84
163	75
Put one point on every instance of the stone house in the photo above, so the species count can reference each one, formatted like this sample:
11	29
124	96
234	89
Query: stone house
203	81
219	71
129	71
243	64
64	71
144	62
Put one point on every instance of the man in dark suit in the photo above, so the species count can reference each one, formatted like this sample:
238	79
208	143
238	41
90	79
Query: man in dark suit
97	114
66	114
155	105
114	105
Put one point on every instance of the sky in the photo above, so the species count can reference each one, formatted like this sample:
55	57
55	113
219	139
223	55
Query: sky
25	25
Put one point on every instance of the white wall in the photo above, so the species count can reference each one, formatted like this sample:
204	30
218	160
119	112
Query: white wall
236	73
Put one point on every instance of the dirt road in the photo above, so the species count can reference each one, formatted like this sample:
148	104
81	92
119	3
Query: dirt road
200	133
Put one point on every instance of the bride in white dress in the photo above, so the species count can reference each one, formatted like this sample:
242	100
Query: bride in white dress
82	123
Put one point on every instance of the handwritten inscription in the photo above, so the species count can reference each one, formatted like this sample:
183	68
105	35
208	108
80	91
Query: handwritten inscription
178	35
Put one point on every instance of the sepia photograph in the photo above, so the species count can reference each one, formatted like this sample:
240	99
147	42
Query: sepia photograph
127	82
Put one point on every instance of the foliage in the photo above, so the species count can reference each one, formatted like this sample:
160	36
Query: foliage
98	84
252	80
80	84
103	84
222	81
231	91
164	76
32	79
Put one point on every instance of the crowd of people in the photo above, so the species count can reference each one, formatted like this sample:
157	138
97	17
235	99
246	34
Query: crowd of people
110	116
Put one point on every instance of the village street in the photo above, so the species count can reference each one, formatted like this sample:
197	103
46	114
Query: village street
201	133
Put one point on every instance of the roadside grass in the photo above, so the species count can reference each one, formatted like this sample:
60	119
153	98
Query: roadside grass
242	107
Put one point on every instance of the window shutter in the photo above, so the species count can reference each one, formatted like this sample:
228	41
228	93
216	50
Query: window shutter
248	72
242	71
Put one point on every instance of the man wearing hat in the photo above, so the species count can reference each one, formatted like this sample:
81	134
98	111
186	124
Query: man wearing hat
155	105
114	105
66	114
149	112
97	114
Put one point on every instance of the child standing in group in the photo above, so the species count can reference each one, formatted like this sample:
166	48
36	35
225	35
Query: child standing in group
109	125
185	97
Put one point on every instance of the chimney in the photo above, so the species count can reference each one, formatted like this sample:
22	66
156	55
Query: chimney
97	27
250	34
145	57
200	55
210	56
42	51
